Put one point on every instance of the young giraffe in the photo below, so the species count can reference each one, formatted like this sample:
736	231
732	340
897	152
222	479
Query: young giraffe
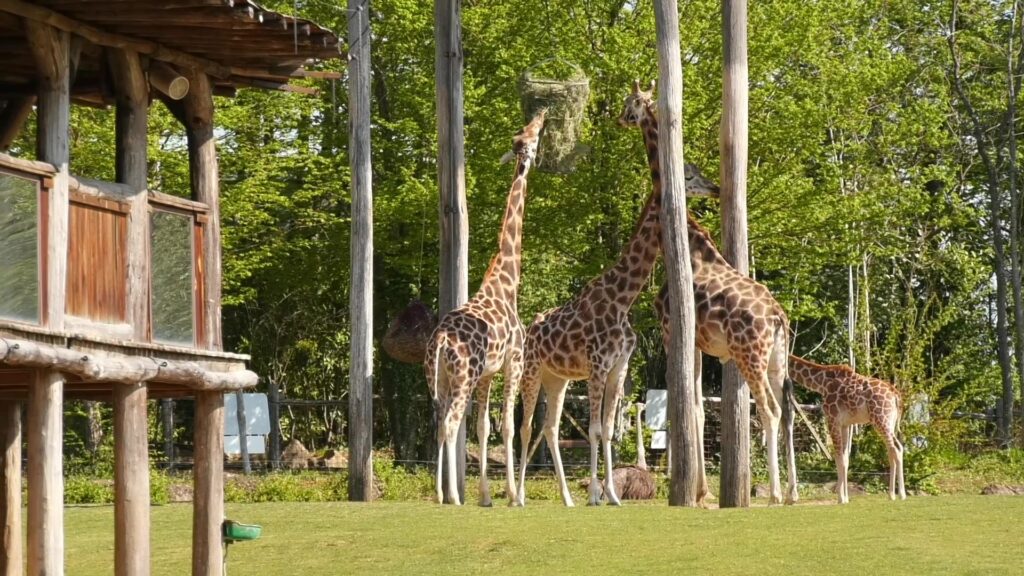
484	335
590	337
848	399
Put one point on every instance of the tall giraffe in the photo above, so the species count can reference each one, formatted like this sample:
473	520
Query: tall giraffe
848	399
590	337
484	335
738	319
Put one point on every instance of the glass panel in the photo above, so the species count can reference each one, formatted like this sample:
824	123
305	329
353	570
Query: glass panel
171	250
19	248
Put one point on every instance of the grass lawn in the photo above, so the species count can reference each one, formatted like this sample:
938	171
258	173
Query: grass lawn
923	535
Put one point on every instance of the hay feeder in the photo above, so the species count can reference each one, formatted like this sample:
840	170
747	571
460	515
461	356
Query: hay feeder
562	88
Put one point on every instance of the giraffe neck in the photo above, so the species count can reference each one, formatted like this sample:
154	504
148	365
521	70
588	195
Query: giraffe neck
636	262
704	255
809	375
502	276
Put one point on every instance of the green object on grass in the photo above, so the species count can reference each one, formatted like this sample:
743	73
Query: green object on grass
237	532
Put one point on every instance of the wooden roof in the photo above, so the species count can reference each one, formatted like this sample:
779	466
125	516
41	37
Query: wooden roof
236	42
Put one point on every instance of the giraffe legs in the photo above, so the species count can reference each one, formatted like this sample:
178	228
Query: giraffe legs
530	390
483	432
612	396
778	371
513	374
555	389
596	396
698	410
841	437
451	423
769	411
895	449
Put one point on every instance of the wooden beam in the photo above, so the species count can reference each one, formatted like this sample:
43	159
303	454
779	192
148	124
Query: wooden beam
121	369
208	477
683	486
167	80
13	119
271	85
30	166
94	35
202	155
131	481
50	49
735	481
11	561
360	407
45	432
131	168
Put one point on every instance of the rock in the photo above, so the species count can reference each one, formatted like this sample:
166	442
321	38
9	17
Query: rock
762	491
1002	490
334	459
852	487
295	455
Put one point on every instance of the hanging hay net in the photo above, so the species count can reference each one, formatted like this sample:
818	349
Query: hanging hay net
563	89
407	334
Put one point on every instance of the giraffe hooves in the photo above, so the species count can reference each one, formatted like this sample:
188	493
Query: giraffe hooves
487	504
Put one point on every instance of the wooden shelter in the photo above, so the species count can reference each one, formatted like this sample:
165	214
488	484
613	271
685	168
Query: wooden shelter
110	291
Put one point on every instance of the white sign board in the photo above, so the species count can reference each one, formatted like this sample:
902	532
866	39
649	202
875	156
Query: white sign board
659	440
656	412
257	414
254	444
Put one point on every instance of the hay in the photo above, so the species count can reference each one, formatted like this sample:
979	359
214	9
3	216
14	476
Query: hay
563	89
407	334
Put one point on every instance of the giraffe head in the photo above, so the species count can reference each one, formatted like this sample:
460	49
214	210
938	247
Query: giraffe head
639	103
524	143
697	184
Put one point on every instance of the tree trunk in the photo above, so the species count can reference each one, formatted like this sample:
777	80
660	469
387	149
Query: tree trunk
995	224
360	406
451	173
94	422
684	483
735	465
1013	87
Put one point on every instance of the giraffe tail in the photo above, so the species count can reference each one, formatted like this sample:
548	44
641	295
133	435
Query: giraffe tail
433	361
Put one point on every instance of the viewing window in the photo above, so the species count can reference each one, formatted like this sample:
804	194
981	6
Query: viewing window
20	285
172	249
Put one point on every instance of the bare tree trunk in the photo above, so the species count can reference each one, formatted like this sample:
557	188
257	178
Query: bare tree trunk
995	223
451	172
684	483
851	316
1013	87
735	463
94	434
360	399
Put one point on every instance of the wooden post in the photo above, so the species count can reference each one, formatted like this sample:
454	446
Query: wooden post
50	50
360	399
131	168
274	407
451	173
208	474
11	561
735	483
202	159
131	481
45	433
167	419
675	245
243	437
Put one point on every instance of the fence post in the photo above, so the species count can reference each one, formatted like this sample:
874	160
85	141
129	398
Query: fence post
167	418
243	436
275	423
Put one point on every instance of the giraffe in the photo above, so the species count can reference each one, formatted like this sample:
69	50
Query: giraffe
590	338
848	399
484	335
738	319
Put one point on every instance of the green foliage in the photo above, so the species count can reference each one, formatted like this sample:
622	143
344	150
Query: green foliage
87	490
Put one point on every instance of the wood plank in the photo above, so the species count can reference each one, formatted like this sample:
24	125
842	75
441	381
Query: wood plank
167	200
131	481
131	168
103	203
202	152
24	165
683	461
156	51
208	493
11	559
45	553
50	49
100	188
735	481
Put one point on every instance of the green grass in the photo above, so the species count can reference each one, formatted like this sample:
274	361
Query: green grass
923	535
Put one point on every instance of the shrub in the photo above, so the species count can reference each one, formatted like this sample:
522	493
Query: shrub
84	490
